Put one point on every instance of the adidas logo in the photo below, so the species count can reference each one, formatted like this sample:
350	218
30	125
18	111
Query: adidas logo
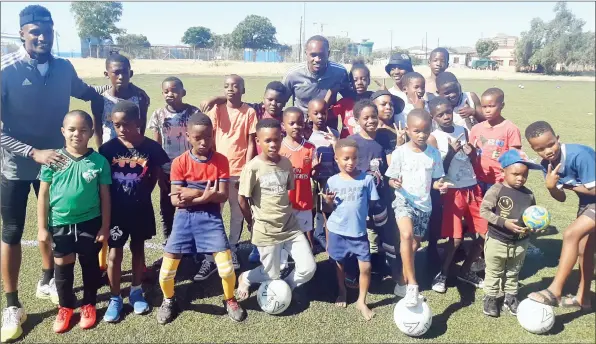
26	82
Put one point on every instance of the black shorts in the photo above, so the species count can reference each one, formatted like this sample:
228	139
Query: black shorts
77	238
138	225
14	195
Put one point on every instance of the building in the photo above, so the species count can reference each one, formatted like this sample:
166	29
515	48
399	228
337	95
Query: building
460	56
418	52
10	42
505	54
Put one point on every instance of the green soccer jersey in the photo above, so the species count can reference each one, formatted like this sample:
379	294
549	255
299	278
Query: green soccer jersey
74	189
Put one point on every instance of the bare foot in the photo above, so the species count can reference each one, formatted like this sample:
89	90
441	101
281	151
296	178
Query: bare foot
242	291
365	311
341	300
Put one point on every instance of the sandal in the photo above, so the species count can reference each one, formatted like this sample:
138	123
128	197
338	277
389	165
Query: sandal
571	302
547	298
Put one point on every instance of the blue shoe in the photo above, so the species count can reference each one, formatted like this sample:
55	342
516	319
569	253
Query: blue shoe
114	309
137	301
254	256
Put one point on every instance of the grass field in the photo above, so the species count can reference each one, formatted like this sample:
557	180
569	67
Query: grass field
457	314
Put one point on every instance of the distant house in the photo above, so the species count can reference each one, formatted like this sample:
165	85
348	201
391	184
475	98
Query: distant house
418	52
460	56
505	54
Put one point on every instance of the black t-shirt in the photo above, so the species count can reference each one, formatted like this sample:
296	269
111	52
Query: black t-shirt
131	172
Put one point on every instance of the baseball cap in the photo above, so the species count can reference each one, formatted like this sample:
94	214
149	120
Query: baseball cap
514	156
402	61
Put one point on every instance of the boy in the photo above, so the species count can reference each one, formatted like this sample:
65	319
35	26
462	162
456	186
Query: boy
350	192
415	168
414	89
438	62
492	137
169	128
570	167
467	110
302	156
265	182
460	201
507	239
234	125
323	138
119	72
397	66
76	218
200	179
136	163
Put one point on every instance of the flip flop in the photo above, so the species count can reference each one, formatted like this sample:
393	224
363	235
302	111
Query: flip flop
571	302
548	298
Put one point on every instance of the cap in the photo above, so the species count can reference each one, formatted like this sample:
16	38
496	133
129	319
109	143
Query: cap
402	61
380	93
514	156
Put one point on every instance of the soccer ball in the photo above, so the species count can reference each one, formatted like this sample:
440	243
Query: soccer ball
413	321
536	218
274	296
522	87
535	317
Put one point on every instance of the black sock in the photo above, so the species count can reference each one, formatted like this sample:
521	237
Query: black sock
47	275
91	277
12	299
64	285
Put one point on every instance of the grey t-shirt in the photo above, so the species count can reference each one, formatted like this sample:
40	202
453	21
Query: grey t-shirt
305	86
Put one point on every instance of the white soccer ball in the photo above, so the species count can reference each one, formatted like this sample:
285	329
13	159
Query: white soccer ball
413	321
535	317
274	296
522	87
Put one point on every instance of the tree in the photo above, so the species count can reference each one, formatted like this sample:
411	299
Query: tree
560	41
135	45
97	19
198	37
338	43
255	33
485	47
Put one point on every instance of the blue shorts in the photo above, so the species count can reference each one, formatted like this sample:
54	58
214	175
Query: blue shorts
341	247
420	219
197	231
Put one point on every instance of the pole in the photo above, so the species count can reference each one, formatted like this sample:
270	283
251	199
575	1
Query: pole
438	45
300	39
391	43
304	26
57	44
426	50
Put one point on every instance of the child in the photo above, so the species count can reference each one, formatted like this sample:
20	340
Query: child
415	168
323	138
169	127
492	137
343	110
570	167
438	62
415	96
460	201
73	207
507	239
119	72
398	65
265	182
350	192
467	110
198	225
136	163
234	125
302	156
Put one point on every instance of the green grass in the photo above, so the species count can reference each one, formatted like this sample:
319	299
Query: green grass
458	313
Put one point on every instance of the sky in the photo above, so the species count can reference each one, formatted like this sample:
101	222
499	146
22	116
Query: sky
403	24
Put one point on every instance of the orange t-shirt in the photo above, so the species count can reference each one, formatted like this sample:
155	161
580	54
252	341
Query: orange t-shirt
491	143
232	128
301	159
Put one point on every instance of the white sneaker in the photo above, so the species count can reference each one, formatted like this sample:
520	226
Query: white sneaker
440	283
412	296
400	290
47	291
235	261
478	266
12	319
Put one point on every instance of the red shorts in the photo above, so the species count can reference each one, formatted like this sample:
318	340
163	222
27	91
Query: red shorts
461	204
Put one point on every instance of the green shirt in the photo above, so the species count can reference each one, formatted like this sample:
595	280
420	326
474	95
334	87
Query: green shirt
74	189
267	185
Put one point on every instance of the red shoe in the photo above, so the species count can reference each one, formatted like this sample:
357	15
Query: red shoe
62	321
87	317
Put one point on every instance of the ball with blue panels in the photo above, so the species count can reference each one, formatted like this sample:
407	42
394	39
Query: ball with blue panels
536	218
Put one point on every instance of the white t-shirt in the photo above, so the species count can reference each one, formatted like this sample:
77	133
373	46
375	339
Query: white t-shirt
43	68
461	172
457	119
417	171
